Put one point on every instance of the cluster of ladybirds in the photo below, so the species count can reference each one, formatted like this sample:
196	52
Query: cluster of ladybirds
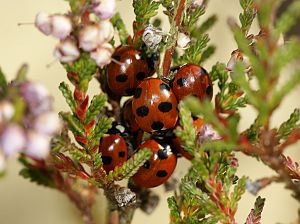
152	109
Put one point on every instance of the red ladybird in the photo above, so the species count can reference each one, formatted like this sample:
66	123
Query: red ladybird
127	116
176	142
123	77
154	106
192	80
158	168
113	151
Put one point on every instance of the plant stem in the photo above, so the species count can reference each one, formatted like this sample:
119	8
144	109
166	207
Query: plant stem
169	52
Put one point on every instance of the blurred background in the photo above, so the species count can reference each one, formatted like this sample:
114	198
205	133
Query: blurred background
26	203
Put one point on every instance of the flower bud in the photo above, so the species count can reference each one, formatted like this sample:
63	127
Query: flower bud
12	139
43	23
207	134
47	123
6	111
89	38
61	26
66	51
197	3
106	31
105	9
38	145
182	40
102	55
37	97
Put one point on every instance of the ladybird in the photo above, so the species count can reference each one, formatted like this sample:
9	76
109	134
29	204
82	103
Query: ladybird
158	168
128	69
154	106
192	80
176	142
127	116
113	151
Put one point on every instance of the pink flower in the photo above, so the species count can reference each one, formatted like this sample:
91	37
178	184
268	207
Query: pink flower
47	123
12	139
207	133
66	51
104	9
38	145
6	111
43	23
61	26
102	55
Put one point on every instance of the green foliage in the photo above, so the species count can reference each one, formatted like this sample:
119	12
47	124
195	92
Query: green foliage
3	83
131	166
255	215
85	68
191	17
73	123
97	161
174	210
34	174
288	126
238	191
194	53
102	126
204	27
145	10
97	104
67	93
76	5
119	24
248	15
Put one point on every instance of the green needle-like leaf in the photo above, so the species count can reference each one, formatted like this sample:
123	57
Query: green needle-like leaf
67	93
73	123
97	103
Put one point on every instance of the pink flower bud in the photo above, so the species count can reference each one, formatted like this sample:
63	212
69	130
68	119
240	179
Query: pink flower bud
37	97
38	145
47	123
106	31
104	9
207	133
43	23
102	55
182	40
6	111
61	26
89	38
12	140
66	51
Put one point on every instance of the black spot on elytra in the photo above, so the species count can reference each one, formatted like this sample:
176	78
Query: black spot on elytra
121	78
138	92
194	118
162	154
141	75
121	154
117	57
146	165
142	111
164	86
106	160
161	173
157	125
130	91
165	107
209	90
181	82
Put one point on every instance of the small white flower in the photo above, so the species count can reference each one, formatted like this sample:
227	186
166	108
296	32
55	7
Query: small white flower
102	55
38	145
2	162
106	31
182	40
89	38
47	123
66	51
197	3
12	140
236	56
104	9
6	111
43	23
61	26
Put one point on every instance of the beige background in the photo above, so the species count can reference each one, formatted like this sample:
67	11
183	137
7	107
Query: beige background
26	203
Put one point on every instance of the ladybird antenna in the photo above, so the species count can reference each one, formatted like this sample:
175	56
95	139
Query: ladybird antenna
117	62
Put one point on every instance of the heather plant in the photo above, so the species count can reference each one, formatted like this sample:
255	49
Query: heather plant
157	103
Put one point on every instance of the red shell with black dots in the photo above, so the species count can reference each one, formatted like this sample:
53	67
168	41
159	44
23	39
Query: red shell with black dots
158	168
176	141
124	76
192	80
113	151
154	106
